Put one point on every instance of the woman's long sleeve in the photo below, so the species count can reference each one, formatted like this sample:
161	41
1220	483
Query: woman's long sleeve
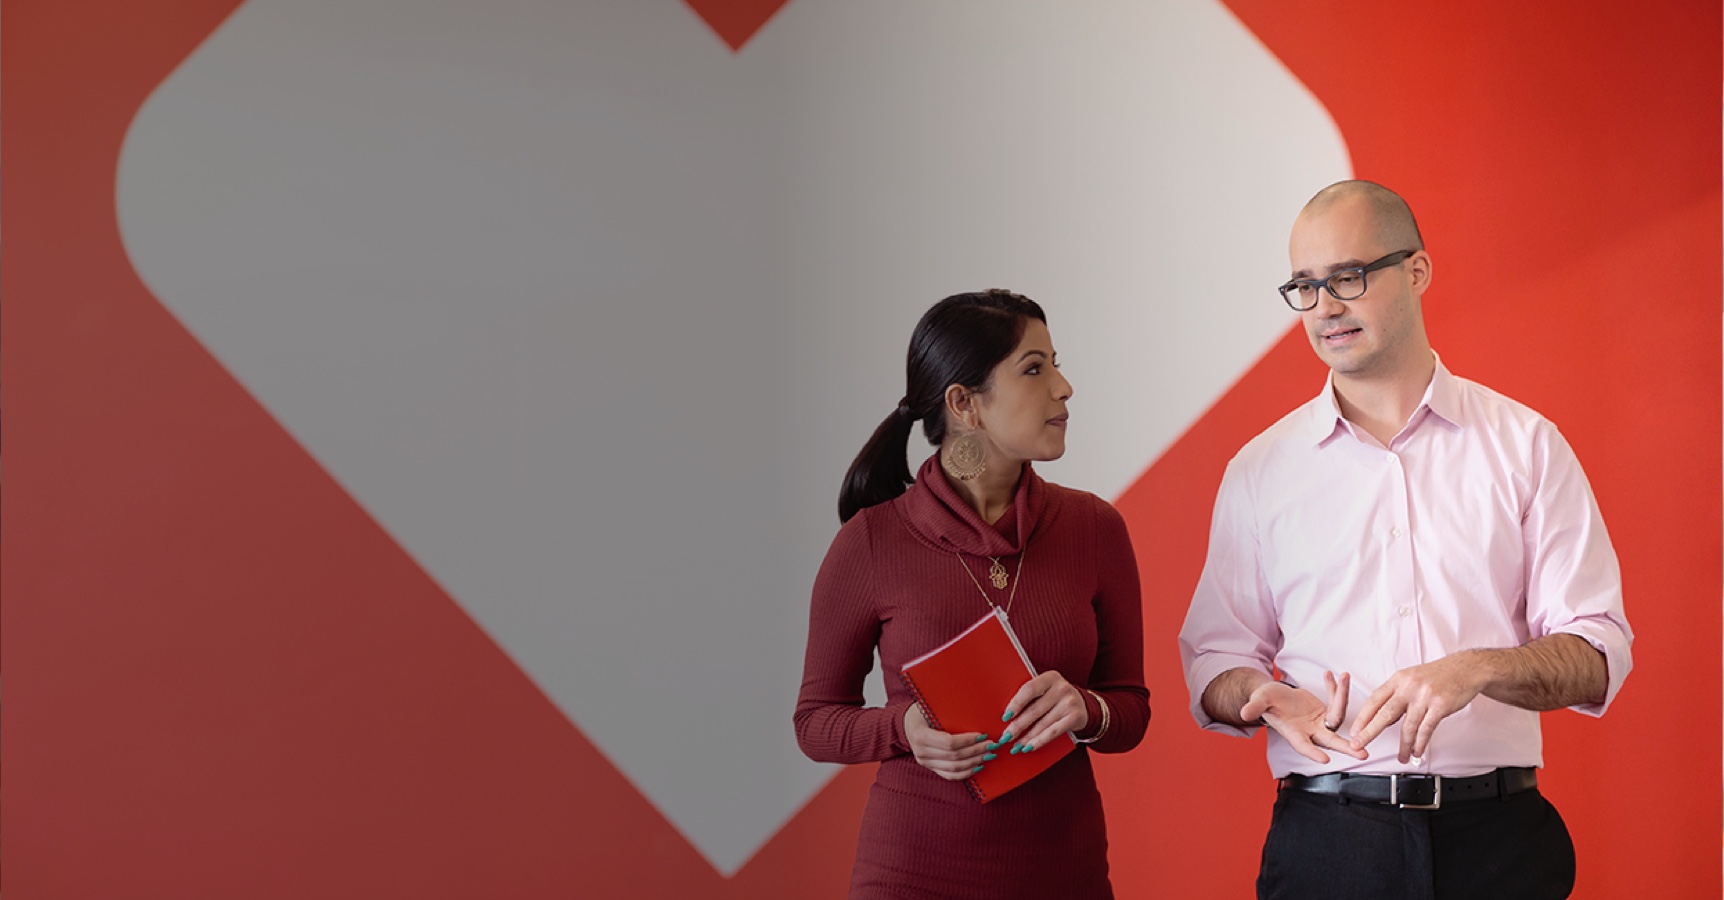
832	724
1118	673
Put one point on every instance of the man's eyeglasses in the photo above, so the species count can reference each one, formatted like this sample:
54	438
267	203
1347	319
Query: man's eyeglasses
1342	284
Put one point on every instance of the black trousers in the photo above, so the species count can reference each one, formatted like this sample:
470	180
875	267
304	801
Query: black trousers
1318	846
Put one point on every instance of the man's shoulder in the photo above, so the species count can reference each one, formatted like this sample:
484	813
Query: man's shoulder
1496	410
1297	428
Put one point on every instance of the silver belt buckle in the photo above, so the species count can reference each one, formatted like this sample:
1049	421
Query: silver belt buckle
1395	793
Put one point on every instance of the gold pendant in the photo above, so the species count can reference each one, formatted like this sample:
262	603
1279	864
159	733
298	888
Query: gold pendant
997	574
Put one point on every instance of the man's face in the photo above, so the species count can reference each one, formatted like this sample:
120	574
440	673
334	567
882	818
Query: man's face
1382	329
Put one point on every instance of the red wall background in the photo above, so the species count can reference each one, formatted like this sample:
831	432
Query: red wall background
223	679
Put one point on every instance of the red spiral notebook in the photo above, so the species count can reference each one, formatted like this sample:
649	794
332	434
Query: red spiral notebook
964	685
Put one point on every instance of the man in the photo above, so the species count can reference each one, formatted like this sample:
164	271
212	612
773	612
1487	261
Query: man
1423	540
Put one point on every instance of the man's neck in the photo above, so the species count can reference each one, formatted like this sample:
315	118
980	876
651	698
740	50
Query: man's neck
1382	404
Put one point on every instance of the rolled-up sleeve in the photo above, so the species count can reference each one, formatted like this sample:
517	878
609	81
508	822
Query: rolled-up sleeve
1574	584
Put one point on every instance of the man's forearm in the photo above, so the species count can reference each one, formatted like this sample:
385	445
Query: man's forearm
1228	692
1555	671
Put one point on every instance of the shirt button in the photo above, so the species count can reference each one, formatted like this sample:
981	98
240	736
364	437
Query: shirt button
1394	532
1405	611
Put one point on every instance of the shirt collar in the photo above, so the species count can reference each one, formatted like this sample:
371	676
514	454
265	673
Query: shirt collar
1441	399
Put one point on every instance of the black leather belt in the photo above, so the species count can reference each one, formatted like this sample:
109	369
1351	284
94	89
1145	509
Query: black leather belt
1416	791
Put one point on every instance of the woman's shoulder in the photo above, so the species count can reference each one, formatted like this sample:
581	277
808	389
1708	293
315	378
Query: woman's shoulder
1075	498
1081	504
871	524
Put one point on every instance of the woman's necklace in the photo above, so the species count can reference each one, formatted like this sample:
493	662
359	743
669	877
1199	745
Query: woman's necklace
997	574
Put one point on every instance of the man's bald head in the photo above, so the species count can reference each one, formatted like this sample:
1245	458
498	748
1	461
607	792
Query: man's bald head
1390	215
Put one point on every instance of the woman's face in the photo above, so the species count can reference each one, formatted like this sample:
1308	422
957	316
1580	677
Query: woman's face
1022	414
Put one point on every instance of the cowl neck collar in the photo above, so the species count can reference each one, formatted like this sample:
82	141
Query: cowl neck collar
941	517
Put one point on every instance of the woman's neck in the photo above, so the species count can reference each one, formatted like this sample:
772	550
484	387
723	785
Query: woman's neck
989	494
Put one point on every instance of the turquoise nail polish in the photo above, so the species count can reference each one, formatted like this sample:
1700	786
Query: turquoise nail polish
1006	738
1015	750
996	745
1008	716
980	738
990	757
975	770
1029	747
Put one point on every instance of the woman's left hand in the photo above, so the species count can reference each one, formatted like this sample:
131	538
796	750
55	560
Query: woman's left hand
1046	707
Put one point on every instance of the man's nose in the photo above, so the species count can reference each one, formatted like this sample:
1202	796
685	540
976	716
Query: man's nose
1327	306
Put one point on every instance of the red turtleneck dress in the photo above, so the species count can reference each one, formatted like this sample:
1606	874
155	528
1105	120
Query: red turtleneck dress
893	581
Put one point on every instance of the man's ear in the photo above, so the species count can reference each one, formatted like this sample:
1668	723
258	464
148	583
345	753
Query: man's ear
1419	265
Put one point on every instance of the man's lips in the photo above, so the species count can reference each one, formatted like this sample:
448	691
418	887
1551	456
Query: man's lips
1339	335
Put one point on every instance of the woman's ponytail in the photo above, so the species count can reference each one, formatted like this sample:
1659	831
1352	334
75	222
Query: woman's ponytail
880	472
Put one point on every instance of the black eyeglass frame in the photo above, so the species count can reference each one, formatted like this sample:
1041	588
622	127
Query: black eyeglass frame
1328	283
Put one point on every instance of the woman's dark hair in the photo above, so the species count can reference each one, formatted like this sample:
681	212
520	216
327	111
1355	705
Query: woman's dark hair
958	341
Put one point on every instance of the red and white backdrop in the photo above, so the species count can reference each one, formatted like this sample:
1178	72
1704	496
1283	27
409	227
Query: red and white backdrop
423	420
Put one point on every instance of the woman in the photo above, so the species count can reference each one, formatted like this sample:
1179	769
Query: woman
919	560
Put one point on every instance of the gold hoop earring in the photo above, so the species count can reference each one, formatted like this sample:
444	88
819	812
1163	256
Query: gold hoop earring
965	459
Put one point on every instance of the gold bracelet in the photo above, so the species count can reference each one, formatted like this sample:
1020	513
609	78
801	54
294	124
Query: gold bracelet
1106	719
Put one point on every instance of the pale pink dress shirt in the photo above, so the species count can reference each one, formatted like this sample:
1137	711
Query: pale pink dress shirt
1474	528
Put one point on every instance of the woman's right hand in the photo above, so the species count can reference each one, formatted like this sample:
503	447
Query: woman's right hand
953	757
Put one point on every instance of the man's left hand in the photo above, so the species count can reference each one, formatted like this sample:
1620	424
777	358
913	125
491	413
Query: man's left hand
1419	698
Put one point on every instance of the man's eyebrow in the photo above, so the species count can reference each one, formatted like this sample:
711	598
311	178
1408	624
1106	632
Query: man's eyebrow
1344	264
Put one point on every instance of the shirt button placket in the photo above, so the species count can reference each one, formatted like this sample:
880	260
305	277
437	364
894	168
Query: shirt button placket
1401	566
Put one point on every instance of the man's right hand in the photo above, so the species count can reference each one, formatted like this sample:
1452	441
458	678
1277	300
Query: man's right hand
1307	723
